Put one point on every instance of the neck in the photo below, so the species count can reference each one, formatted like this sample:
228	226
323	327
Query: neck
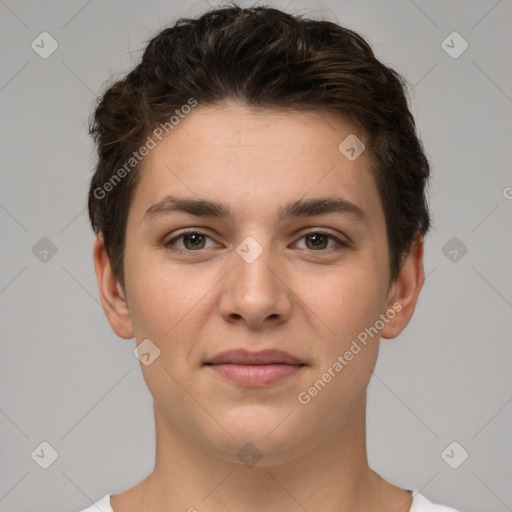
332	475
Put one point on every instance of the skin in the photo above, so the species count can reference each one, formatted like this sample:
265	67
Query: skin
311	302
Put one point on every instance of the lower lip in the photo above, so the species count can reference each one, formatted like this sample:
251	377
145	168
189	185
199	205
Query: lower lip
256	375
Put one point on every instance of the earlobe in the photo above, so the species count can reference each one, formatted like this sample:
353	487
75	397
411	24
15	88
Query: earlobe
111	294
405	290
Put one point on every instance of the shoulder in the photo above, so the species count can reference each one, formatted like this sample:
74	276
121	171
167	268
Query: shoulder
422	504
102	505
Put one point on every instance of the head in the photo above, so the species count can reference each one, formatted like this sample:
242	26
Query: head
251	115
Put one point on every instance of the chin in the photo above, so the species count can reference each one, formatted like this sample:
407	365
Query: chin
259	436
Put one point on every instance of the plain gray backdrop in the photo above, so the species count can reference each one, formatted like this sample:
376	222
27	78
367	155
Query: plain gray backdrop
442	390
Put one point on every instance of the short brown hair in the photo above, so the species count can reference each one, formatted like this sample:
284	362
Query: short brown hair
264	58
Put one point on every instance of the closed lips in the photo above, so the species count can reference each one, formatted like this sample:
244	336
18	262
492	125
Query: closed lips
245	357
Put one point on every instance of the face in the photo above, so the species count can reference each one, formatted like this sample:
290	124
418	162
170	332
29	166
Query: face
301	280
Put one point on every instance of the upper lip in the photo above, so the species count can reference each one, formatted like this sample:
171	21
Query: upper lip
247	357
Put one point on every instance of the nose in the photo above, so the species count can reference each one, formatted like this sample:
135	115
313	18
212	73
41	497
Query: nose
255	291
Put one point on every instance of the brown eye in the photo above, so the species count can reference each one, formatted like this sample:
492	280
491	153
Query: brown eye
191	241
318	241
195	241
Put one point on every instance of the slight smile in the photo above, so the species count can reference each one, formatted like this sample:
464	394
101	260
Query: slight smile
255	369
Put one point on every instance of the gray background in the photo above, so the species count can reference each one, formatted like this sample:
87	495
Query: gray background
66	379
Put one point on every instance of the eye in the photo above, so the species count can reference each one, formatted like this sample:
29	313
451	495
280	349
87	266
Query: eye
192	241
318	240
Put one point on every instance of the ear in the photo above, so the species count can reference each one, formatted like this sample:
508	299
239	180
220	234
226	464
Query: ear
404	291
111	294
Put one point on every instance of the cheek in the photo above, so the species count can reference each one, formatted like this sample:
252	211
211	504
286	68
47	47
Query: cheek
157	295
168	301
347	304
346	300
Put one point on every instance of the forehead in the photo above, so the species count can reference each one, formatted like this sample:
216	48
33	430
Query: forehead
255	159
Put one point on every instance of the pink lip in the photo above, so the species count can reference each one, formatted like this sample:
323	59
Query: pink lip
255	369
256	375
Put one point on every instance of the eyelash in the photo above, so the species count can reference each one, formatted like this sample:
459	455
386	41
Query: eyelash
341	244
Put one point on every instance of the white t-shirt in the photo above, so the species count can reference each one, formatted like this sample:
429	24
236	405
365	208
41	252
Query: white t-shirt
419	504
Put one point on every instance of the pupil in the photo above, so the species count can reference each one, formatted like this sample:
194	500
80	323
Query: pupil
195	238
318	242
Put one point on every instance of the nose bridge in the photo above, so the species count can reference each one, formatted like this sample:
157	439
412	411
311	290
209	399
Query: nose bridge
253	263
254	290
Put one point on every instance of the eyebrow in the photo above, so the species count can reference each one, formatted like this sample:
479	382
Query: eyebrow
207	208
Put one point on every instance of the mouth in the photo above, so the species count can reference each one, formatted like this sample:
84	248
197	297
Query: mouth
255	369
